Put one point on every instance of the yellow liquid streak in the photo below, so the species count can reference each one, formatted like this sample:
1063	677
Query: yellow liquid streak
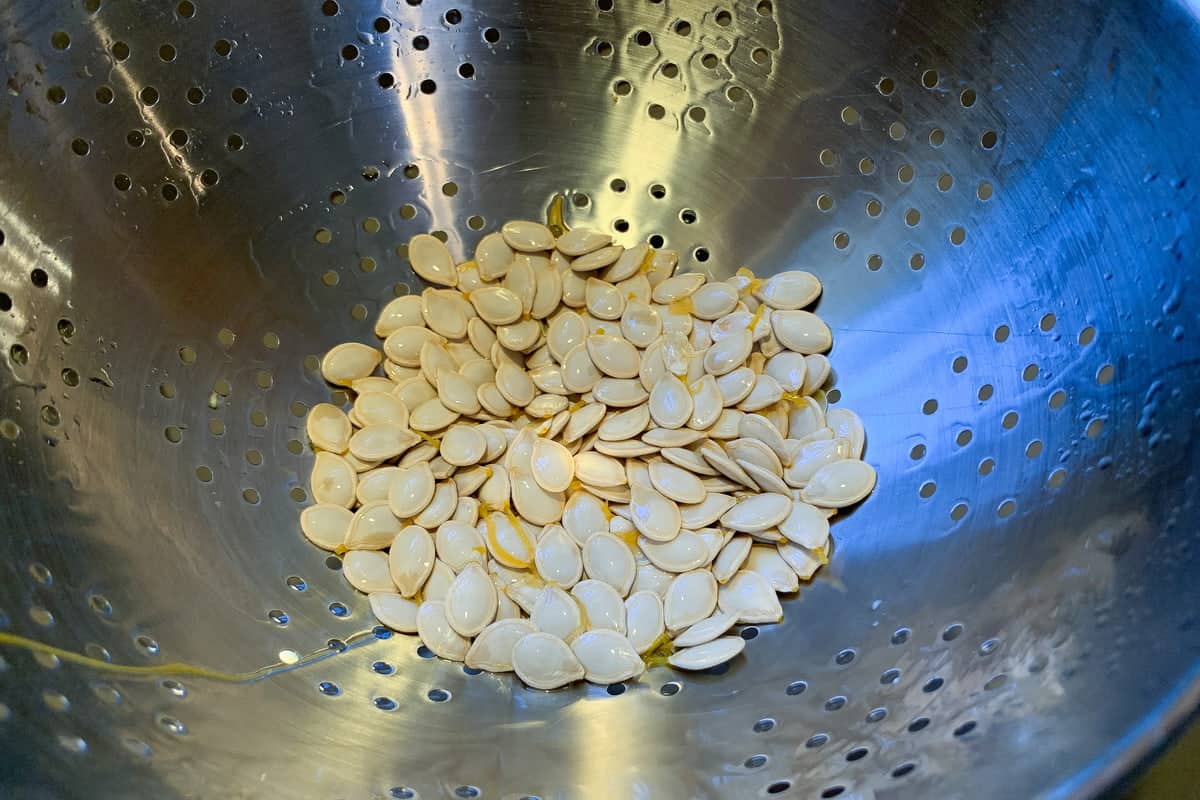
179	669
554	216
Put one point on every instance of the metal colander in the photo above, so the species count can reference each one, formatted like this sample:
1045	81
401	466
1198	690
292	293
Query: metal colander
199	197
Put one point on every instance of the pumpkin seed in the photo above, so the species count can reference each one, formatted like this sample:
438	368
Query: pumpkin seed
644	620
431	260
545	662
326	525
411	558
708	655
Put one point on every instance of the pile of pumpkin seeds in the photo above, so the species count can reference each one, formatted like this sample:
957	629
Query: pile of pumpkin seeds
566	460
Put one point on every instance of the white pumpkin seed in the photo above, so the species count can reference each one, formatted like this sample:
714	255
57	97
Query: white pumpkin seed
619	392
801	331
527	237
367	571
671	404
431	260
766	479
747	450
579	372
652	579
849	426
399	313
404	345
614	357
735	386
545	662
718	458
603	300
818	369
581	241
728	354
788	369
493	648
678	287
437	585
812	457
468	480
602	606
566	330
789	290
640	323
607	657
574	288
545	406
599	470
548	290
676	483
665	437
731	558
467	510
557	558
803	562
584	515
380	408
706	630
373	383
701	515
333	480
326	525
349	362
840	484
806	526
628	264
395	611
756	426
690	598
708	655
463	446
496	305
471	601
757	513
685	552
459	544
381	442
411	490
766	392
606	558
751	597
644	620
374	527
430	416
597	259
493	256
373	485
445	312
713	300
508	540
622	425
655	517
410	559
493	401
766	561
436	633
662	266
689	460
328	428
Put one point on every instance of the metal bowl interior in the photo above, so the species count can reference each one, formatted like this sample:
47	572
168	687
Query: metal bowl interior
198	197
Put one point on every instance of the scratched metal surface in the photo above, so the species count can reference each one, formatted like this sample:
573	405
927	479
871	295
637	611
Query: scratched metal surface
999	199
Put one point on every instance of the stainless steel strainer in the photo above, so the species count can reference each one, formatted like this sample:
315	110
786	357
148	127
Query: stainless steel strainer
198	197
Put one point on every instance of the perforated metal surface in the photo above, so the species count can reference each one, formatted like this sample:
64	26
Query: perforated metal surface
197	198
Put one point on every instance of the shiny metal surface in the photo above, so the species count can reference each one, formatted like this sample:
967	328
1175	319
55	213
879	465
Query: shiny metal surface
197	197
